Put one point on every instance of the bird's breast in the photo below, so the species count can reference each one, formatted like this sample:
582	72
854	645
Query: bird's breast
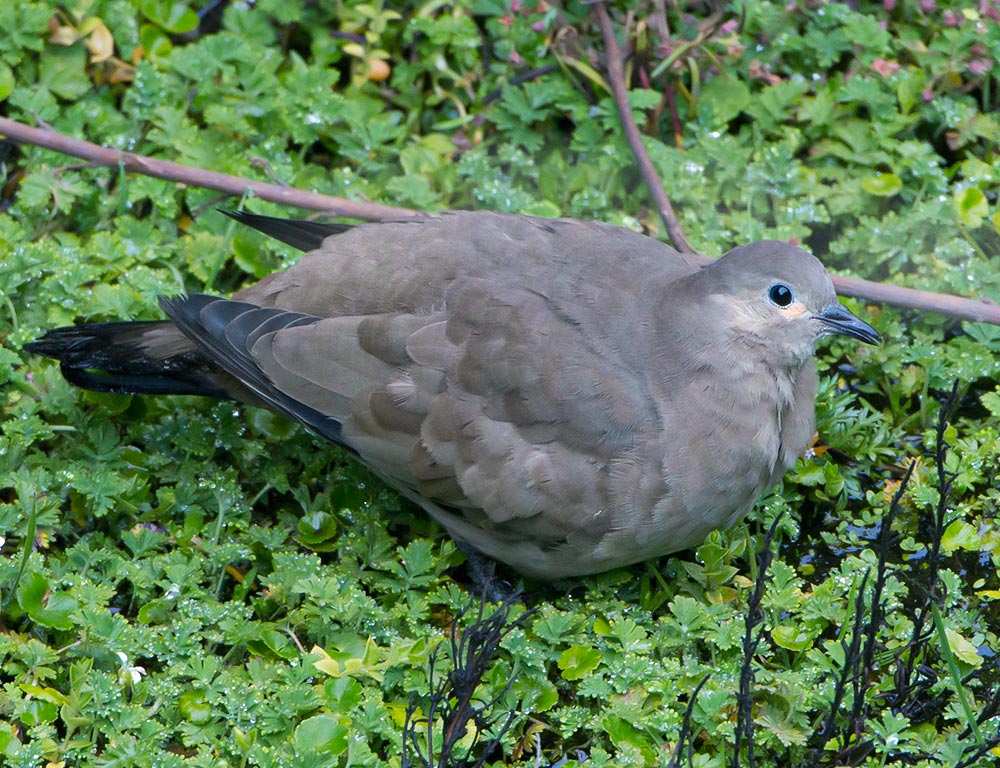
719	446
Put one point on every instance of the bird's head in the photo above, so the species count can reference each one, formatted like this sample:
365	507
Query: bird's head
776	296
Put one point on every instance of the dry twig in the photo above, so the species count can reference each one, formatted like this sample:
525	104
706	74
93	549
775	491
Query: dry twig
616	76
197	177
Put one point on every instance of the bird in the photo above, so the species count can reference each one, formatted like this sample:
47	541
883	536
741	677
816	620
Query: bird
562	396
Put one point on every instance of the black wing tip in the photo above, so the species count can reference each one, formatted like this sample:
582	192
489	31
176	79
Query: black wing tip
303	234
244	217
60	343
139	384
48	345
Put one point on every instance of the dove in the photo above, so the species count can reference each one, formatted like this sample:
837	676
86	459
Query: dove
565	397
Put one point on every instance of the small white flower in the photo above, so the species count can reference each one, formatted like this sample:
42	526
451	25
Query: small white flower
129	673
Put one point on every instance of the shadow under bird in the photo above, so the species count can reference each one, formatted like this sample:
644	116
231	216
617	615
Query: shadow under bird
563	396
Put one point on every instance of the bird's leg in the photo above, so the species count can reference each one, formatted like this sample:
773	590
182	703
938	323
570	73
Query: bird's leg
483	571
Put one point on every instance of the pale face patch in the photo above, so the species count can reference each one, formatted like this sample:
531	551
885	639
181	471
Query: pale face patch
795	309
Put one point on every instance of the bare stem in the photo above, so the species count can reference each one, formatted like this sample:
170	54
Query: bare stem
197	177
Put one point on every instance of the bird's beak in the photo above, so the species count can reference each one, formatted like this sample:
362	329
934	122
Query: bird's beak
836	319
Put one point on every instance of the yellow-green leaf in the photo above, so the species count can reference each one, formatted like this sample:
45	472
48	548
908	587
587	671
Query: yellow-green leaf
962	648
971	206
327	665
50	695
882	184
6	81
960	535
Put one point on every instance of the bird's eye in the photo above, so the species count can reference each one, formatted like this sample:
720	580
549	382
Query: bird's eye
780	294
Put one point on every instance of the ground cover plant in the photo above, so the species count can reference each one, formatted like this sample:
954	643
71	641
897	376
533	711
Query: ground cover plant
187	583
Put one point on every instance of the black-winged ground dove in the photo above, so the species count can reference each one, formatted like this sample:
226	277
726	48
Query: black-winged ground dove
563	396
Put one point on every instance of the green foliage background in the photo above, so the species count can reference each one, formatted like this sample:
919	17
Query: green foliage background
167	565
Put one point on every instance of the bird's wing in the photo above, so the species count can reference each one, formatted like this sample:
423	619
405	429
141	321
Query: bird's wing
500	407
226	331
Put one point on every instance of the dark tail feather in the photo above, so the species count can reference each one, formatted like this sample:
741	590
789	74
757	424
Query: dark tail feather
304	235
109	357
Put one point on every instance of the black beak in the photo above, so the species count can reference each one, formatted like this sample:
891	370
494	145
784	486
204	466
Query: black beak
837	319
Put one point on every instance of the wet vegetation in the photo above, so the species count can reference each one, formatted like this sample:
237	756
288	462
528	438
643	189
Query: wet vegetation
188	583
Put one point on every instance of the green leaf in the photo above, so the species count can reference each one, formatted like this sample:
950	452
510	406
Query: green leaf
316	528
536	694
31	591
779	722
991	401
175	17
6	81
64	71
22	27
343	694
194	706
156	611
155	44
643	98
415	190
45	694
909	89
8	741
971	206
865	32
543	209
722	99
882	184
321	733
623	733
49	609
37	712
577	661
251	257
274	425
792	638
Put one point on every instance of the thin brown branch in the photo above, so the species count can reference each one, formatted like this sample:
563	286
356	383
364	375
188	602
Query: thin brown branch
616	77
223	182
978	311
953	306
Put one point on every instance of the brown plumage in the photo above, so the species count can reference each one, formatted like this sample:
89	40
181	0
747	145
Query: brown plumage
566	397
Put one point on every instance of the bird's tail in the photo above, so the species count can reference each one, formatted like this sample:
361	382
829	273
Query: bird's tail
147	358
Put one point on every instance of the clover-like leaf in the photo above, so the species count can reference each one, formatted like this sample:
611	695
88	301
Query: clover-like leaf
321	733
578	660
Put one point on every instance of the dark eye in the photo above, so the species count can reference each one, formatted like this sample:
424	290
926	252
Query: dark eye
780	294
